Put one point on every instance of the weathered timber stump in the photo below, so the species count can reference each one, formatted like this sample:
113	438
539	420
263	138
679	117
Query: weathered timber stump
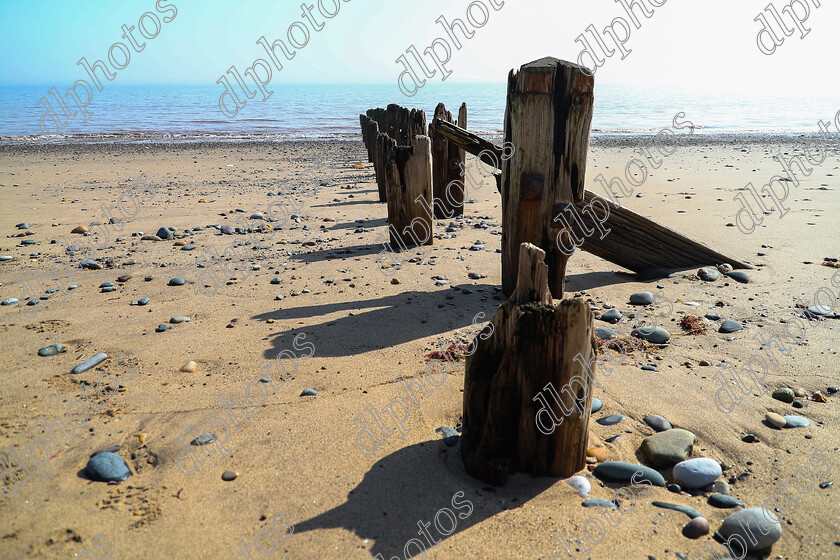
398	123
535	353
447	160
547	118
407	171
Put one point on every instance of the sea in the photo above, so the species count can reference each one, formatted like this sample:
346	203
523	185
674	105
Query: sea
190	113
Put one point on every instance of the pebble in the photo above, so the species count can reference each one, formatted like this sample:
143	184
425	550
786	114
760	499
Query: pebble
611	420
124	278
749	438
708	274
189	367
177	282
604	333
712	316
165	233
188	247
309	393
657	422
52	349
776	420
723	501
617	471
91	362
111	449
697	473
696	528
10	301
5	258
79	229
720	487
784	394
730	326
598	453
691	512
675	488
450	435
179	319
668	448
162	327
794	421
276	280
611	316
764	531
613	438
724	268
831	390
654	335
204	439
107	289
143	301
641	298
649	368
739	276
598	502
596	405
107	467
580	484
228	476
474	275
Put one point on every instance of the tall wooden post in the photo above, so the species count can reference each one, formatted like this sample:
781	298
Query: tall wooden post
408	175
446	166
547	119
534	351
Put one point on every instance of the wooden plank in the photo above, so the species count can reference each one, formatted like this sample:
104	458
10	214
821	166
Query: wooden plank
629	231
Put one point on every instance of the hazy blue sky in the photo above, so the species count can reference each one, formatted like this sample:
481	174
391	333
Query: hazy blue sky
703	44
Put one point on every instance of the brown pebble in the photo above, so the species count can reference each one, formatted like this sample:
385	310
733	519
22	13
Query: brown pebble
776	420
799	392
229	326
79	229
705	363
124	278
598	453
395	281
696	528
190	367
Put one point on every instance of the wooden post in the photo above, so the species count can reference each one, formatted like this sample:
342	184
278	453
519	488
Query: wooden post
446	166
408	175
547	119
533	345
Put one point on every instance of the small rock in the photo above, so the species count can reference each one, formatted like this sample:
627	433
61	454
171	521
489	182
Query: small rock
598	453
696	528
52	349
79	229
724	268
697	473
179	319
617	471
598	502
776	420
450	435
641	298
395	281
228	476
91	362
794	421
657	422
730	326
739	276
124	278
611	316
654	335
596	405
762	532
604	333
784	394
189	367
708	274
177	282
580	484
720	487
611	420
309	393
143	301
204	439
107	467
691	512
666	449
723	501
165	233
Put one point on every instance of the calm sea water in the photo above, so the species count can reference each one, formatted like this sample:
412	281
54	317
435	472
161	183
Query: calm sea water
184	113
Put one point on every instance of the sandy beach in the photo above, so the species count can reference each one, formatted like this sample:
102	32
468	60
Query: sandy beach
350	325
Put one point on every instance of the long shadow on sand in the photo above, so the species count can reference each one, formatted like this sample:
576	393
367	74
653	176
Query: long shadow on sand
376	324
410	486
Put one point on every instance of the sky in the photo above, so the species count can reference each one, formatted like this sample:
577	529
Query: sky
708	45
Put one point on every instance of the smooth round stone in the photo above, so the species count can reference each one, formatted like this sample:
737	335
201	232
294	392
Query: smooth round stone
820	310
657	422
227	230
599	453
784	394
33	302
309	393
738	276
24	225
612	316
143	301
124	278
5	258
668	448
794	421
617	471
697	473
649	368
598	502
106	285
72	286
712	316
91	264
596	405
580	484
162	327
696	528
52	349
450	435
776	420
107	467
760	524
641	298
730	326
179	319
691	512
604	333
675	488
723	501
177	282
107	289
91	362
10	301
831	390
276	280
204	439
611	420
228	476
708	274
654	335
189	367
721	487
165	233
188	247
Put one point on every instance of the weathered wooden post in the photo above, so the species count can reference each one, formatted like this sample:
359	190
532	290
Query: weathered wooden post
536	350
447	159
547	119
408	175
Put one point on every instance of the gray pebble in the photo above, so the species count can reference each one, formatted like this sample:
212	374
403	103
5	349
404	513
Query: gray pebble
730	326
91	362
